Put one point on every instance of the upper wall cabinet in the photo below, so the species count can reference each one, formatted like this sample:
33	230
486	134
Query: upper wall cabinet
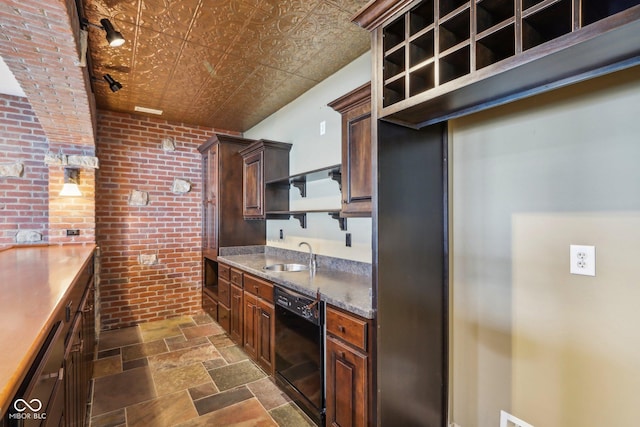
264	161
355	108
439	59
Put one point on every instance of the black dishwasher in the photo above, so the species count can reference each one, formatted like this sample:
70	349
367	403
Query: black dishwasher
300	351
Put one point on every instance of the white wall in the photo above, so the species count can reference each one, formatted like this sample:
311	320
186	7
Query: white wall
527	180
298	123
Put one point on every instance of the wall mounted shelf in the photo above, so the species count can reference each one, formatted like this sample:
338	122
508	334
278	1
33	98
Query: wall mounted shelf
300	181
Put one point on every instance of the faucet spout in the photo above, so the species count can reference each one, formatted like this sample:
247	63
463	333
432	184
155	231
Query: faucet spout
312	257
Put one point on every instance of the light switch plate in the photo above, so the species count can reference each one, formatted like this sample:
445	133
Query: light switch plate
582	260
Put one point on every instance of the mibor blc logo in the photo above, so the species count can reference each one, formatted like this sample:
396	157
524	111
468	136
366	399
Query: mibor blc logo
27	410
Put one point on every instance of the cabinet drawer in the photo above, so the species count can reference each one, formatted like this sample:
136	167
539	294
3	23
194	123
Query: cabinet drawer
258	287
223	292
236	277
223	271
347	327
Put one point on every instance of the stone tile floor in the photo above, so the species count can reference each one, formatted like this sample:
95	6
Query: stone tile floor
183	372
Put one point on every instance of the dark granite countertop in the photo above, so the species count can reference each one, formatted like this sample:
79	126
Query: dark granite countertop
342	283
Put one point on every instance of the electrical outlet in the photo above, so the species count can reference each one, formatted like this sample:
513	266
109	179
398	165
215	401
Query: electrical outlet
508	420
73	232
582	260
281	234
323	127
347	240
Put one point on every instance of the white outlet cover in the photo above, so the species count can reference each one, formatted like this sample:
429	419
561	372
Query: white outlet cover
582	260
508	420
323	127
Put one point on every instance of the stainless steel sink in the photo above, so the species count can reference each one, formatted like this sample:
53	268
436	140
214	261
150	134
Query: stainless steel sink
285	267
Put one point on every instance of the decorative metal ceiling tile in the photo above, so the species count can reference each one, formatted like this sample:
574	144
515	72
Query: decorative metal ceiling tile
221	63
170	17
116	10
219	22
190	75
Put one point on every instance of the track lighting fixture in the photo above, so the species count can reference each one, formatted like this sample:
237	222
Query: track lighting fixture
114	37
114	85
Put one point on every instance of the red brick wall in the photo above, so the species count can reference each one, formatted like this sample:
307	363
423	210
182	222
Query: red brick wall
76	213
23	201
131	158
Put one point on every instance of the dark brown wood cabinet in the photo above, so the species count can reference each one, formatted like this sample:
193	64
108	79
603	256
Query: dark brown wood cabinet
223	223
79	356
355	108
222	174
259	322
266	336
439	59
250	343
264	161
224	297
349	370
237	315
60	375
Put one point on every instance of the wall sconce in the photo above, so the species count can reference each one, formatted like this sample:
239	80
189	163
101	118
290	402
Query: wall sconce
114	37
71	181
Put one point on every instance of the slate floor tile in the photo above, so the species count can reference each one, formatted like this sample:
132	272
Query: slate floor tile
237	374
184	371
163	411
121	390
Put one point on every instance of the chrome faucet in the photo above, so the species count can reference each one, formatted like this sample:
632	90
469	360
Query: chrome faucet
312	258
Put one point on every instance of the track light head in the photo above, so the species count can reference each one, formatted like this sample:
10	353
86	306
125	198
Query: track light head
114	37
114	85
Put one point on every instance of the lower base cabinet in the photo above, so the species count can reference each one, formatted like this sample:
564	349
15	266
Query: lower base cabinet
236	333
60	377
266	336
259	322
209	305
349	370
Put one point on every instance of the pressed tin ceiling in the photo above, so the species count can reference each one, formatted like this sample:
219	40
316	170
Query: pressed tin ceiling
226	64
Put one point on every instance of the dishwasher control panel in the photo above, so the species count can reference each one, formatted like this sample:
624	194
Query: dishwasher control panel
301	305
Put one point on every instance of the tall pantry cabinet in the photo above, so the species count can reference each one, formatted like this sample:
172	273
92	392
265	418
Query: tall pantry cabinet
222	220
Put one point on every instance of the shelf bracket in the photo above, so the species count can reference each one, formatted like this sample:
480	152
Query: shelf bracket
341	221
302	217
301	185
336	175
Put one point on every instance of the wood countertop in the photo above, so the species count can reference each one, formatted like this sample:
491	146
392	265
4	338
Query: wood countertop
34	283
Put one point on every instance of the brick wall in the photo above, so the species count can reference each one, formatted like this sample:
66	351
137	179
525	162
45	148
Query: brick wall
131	158
76	213
23	201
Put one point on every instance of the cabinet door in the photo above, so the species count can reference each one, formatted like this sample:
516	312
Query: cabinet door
355	108
73	376
346	385
253	185
210	200
250	321
88	343
356	179
266	336
236	314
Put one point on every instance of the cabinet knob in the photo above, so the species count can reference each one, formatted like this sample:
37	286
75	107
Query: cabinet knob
341	354
341	328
